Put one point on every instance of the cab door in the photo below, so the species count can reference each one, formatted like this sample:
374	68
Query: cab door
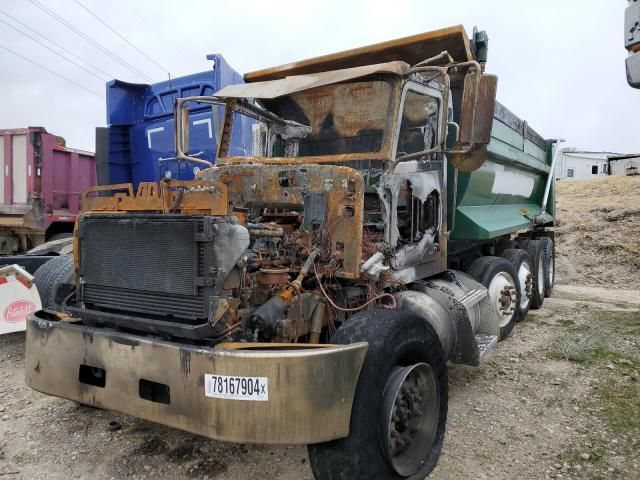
414	191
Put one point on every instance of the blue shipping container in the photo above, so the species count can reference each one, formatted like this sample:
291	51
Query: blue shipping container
141	145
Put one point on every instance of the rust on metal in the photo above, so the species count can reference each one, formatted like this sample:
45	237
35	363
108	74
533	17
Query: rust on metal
412	49
341	158
301	82
189	197
273	276
341	189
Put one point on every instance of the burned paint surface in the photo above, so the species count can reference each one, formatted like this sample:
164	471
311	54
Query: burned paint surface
410	190
412	49
344	118
167	196
185	360
288	417
286	187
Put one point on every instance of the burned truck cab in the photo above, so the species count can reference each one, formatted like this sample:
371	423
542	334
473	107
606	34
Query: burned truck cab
242	305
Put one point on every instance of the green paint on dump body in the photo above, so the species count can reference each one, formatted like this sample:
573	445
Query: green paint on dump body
503	195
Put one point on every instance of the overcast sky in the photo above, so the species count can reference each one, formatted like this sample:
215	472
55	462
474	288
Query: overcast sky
560	63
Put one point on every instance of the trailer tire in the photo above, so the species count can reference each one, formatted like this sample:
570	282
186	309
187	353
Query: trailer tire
536	254
50	276
398	342
549	250
522	262
499	274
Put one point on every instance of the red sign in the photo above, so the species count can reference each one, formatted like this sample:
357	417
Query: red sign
17	311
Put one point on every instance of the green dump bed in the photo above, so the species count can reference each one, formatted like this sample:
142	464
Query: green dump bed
503	195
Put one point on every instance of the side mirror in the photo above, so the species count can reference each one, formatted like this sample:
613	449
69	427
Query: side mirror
633	70
632	43
477	109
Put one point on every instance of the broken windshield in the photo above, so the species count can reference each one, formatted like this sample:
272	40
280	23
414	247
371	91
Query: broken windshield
344	118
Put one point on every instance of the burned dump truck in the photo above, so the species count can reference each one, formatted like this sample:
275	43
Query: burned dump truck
393	218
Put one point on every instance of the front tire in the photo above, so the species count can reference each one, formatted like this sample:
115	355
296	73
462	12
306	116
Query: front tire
50	276
402	387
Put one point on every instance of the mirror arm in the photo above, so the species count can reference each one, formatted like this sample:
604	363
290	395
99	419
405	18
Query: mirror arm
444	55
456	127
178	109
428	68
464	151
258	113
470	63
410	156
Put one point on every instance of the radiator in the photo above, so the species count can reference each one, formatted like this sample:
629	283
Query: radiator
157	265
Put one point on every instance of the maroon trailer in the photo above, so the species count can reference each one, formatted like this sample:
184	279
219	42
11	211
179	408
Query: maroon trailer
40	190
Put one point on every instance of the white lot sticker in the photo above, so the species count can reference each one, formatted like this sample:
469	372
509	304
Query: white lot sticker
236	388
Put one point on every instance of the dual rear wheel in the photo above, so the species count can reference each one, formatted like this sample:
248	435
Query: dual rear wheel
518	280
543	257
500	276
522	262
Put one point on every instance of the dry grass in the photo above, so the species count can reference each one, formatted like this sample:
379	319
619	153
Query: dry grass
598	234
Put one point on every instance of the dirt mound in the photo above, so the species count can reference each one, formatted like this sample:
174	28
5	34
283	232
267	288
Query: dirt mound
598	234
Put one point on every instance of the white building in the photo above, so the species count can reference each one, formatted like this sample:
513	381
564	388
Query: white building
624	165
573	164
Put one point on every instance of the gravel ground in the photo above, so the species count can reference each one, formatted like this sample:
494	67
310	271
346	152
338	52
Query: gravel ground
537	408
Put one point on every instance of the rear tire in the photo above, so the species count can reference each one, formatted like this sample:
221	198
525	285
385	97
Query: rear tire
522	263
50	276
398	342
501	279
549	249
536	254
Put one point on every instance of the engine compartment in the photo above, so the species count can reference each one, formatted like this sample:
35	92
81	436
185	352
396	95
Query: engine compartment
285	264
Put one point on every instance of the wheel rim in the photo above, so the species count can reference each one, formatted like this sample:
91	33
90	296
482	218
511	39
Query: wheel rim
541	275
411	409
504	297
551	272
525	277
